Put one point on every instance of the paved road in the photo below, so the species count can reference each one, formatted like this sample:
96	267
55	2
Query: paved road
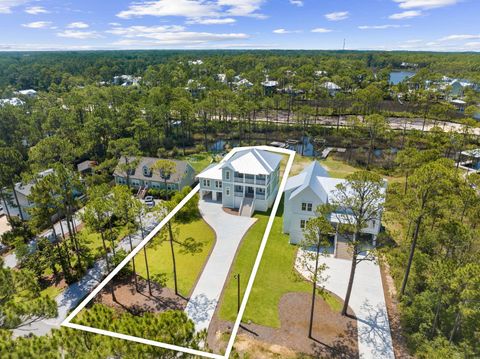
11	261
397	123
367	301
229	230
72	296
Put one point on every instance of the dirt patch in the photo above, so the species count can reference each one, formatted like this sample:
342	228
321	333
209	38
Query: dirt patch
138	302
399	343
334	336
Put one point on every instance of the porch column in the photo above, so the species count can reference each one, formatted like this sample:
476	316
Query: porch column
374	240
335	242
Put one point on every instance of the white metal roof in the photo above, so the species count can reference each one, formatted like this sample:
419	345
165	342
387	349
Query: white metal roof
213	172
253	162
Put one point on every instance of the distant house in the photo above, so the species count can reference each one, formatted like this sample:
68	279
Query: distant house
248	181
195	62
143	176
126	80
22	193
460	105
239	82
304	193
14	101
27	93
332	88
269	86
86	167
222	78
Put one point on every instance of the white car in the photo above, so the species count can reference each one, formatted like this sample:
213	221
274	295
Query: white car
149	201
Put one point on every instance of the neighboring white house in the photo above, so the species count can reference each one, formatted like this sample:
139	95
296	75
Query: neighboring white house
27	93
304	193
144	177
248	181
332	88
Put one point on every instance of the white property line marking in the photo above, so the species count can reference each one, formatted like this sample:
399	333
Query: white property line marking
128	258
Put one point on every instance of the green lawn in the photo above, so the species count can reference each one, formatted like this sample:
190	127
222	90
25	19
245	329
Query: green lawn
189	266
338	169
199	161
275	277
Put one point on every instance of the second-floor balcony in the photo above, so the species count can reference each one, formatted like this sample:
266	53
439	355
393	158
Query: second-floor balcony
260	180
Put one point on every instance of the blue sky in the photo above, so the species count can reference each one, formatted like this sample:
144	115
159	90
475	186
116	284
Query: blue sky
435	25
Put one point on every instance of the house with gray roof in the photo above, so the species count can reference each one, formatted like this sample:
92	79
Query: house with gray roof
308	190
144	176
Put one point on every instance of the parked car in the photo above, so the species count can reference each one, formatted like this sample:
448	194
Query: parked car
149	201
2	212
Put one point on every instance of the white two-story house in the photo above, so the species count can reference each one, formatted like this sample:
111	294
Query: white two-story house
304	193
247	181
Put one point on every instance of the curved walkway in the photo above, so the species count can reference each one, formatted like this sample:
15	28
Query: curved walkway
229	230
367	301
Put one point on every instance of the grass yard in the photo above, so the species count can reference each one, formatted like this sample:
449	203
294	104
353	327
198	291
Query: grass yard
199	161
189	266
51	292
338	169
275	277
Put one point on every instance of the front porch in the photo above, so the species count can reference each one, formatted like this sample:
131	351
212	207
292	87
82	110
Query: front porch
211	196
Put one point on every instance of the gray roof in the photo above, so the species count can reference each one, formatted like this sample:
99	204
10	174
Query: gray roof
26	189
181	169
86	165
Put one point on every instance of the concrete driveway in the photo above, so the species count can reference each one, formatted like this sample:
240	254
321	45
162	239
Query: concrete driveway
230	230
367	301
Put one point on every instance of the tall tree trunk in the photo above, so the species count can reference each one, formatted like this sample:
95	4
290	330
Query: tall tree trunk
314	288
148	270
17	202
410	257
350	280
170	233
455	326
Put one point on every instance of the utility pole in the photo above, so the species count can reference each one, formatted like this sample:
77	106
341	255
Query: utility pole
237	277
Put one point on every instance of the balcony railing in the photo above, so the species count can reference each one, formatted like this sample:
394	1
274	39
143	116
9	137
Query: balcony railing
250	180
261	182
260	196
238	194
238	179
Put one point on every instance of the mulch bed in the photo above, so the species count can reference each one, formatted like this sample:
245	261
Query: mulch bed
128	299
334	336
232	211
399	343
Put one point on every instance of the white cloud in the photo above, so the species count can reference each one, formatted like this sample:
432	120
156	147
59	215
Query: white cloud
35	10
212	21
6	6
193	9
460	37
405	15
79	35
381	27
114	24
77	25
137	31
298	3
337	16
169	35
321	30
38	25
283	31
425	4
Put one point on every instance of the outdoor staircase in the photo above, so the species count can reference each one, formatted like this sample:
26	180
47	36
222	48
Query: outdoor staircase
142	192
246	209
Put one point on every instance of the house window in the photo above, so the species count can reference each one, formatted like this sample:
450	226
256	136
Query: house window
227	175
218	184
227	191
303	223
206	183
374	223
307	207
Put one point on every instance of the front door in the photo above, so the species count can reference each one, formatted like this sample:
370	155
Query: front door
250	192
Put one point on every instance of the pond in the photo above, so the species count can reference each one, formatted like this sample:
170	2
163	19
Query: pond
399	76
